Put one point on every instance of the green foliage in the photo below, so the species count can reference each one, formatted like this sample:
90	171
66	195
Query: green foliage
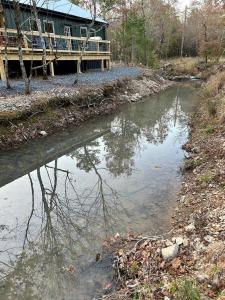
142	292
209	129
186	290
205	178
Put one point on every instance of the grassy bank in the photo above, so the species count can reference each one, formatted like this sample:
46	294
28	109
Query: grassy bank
187	263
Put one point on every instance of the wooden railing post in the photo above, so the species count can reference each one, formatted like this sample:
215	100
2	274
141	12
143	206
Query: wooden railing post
98	48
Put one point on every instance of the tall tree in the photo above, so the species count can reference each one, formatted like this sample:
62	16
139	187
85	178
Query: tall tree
17	18
6	46
37	21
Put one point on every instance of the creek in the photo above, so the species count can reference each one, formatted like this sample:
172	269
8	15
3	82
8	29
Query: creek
62	196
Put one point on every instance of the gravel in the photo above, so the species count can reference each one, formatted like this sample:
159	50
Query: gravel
87	79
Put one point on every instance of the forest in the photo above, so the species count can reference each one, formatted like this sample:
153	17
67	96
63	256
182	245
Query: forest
147	31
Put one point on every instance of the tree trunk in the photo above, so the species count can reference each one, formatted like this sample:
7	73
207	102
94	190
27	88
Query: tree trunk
26	80
84	45
6	48
44	60
206	41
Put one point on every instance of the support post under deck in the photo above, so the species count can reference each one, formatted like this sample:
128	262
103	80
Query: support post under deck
2	71
52	71
102	65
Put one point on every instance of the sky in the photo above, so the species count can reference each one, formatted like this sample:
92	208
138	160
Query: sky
183	3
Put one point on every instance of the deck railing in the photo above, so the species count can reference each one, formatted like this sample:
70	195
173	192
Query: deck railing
53	42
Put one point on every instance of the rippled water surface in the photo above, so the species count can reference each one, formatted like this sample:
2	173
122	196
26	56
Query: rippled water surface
60	197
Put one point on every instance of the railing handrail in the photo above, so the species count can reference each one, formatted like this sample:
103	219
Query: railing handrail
51	35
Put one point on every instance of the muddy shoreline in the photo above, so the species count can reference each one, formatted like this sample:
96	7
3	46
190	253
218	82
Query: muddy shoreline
24	119
189	261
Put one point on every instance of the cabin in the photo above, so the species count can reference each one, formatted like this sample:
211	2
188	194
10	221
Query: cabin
64	29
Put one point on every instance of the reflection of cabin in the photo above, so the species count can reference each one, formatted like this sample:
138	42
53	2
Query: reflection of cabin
64	28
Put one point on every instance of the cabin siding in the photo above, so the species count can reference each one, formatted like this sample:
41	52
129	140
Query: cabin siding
59	22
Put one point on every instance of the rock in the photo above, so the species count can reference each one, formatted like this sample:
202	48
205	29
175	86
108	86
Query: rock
168	243
179	240
216	281
170	252
190	227
202	278
166	298
43	133
209	238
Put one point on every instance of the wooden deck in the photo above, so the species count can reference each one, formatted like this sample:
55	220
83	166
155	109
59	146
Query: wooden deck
63	48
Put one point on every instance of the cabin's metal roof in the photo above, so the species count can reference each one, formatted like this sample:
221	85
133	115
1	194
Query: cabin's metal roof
63	6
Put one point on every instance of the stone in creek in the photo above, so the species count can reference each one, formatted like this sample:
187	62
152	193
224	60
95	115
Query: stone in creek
170	252
43	133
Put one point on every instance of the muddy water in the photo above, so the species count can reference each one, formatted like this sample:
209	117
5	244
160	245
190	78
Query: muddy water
60	197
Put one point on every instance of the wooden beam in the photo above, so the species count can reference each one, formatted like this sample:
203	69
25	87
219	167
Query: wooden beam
2	70
62	56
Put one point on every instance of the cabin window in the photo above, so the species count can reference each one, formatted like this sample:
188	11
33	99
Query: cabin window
83	31
34	25
92	33
49	26
67	30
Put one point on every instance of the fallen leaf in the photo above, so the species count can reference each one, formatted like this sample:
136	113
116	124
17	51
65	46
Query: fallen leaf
176	262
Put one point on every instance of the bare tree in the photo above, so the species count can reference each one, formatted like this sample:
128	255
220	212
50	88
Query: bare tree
17	19
44	60
6	46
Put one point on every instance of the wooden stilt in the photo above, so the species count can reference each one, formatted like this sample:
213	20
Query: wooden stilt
110	65
2	71
52	71
102	65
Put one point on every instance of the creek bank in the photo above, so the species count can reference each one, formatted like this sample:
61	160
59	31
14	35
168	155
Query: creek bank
188	262
23	118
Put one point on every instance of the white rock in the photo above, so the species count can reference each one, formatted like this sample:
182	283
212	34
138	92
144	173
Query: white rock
209	238
43	133
190	227
202	278
182	199
179	240
166	298
168	243
170	252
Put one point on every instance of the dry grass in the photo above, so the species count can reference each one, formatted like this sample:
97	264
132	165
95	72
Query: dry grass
186	65
214	85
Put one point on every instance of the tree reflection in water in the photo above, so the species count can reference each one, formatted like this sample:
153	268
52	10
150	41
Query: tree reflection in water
67	218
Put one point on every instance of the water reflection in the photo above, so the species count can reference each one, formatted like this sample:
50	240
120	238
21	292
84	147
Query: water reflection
61	197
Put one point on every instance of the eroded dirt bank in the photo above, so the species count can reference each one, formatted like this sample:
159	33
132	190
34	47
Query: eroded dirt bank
187	263
23	118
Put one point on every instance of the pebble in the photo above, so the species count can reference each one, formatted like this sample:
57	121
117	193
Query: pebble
190	227
180	241
202	278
